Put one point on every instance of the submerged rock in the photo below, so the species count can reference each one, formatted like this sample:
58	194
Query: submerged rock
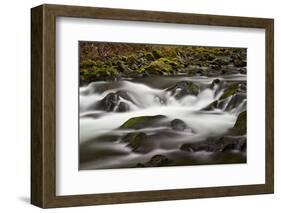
143	122
156	161
122	107
178	125
221	144
134	140
183	88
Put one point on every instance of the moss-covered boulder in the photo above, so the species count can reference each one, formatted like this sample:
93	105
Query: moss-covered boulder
231	90
183	88
143	122
240	126
156	54
161	66
97	70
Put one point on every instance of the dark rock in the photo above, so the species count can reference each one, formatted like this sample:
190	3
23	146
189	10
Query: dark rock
122	67
183	88
243	71
230	71
178	125
110	101
240	63
123	107
156	161
197	147
240	126
215	82
214	105
160	100
221	144
230	143
235	101
134	140
156	54
233	89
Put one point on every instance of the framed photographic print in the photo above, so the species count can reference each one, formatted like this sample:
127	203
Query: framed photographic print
137	106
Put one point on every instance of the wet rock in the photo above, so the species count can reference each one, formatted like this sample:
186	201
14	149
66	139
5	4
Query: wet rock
160	100
123	68
235	101
230	71
135	140
156	161
123	107
143	122
233	89
220	61
178	125
240	126
221	144
218	104
183	88
110	101
215	82
243	71
239	63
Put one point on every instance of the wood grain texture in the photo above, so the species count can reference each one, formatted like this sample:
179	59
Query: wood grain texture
43	105
36	106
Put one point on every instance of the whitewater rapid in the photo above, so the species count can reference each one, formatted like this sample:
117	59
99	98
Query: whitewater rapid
147	100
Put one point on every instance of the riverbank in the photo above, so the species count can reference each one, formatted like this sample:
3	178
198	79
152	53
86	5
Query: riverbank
113	61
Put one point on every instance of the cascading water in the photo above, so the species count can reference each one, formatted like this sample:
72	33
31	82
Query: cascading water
150	97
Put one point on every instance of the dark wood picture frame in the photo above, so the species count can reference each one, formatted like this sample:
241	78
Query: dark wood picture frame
43	105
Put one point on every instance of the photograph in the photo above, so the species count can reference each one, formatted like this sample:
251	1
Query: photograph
154	105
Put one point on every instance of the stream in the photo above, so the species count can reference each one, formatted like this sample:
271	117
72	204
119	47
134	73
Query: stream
101	145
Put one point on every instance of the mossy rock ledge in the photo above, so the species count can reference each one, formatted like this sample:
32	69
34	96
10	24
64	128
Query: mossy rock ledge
143	122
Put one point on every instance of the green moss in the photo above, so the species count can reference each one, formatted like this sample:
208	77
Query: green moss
149	56
141	122
219	61
241	123
156	54
90	70
138	61
230	91
162	66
